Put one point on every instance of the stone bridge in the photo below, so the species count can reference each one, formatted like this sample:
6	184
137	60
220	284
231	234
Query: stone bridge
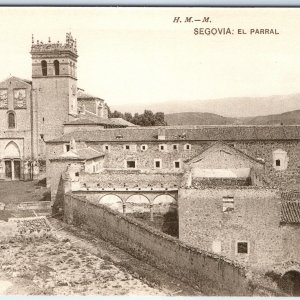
149	199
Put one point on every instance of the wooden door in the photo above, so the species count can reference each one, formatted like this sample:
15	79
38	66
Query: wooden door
17	169
8	169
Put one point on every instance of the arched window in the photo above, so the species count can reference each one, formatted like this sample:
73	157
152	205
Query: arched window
11	120
56	67
44	67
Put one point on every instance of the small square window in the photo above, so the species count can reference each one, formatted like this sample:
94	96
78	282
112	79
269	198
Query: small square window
228	204
127	147
130	164
157	163
242	247
177	165
144	147
277	162
175	147
77	174
67	147
106	147
187	147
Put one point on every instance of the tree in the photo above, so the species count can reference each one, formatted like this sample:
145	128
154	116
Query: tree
148	118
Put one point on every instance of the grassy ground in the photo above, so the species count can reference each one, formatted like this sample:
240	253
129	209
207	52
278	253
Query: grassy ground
13	192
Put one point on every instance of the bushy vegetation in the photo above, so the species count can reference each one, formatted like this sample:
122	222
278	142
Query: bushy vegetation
148	118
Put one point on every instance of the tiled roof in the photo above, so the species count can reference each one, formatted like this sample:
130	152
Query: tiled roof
18	79
121	122
81	122
90	118
83	95
89	153
80	154
290	195
21	79
290	212
189	133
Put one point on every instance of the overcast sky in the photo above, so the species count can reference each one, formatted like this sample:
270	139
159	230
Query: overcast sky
131	55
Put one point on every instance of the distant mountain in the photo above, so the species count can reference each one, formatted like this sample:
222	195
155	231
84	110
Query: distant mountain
197	118
233	107
194	118
288	118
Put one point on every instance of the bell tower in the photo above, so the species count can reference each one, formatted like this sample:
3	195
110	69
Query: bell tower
54	87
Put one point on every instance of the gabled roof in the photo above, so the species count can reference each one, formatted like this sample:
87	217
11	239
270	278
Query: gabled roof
121	122
87	153
224	147
17	79
190	133
90	118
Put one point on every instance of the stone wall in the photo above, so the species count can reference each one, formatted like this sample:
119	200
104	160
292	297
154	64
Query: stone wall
255	219
21	135
286	179
130	179
116	156
212	274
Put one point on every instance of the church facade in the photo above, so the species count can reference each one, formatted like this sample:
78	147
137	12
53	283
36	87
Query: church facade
34	111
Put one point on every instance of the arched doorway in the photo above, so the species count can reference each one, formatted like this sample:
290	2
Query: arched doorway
12	161
113	202
290	283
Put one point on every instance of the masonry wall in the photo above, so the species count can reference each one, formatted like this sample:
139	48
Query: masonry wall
54	173
21	134
52	97
116	156
212	274
255	219
289	178
90	104
156	248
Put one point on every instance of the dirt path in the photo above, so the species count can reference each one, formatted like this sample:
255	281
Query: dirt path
71	261
103	249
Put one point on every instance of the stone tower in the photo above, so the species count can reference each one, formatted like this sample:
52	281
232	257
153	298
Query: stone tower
54	88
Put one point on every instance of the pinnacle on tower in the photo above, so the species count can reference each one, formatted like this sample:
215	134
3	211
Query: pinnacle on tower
69	45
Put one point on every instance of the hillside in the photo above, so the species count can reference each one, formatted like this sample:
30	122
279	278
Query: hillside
288	118
195	118
233	107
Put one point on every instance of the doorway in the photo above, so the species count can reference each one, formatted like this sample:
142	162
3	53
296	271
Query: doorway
12	169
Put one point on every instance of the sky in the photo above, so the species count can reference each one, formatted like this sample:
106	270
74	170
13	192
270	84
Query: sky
139	55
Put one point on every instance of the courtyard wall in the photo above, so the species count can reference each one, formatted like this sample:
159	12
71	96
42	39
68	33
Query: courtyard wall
212	274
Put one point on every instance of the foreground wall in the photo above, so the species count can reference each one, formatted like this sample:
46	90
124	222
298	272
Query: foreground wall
212	274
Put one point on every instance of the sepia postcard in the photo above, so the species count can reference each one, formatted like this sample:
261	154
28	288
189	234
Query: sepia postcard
149	151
